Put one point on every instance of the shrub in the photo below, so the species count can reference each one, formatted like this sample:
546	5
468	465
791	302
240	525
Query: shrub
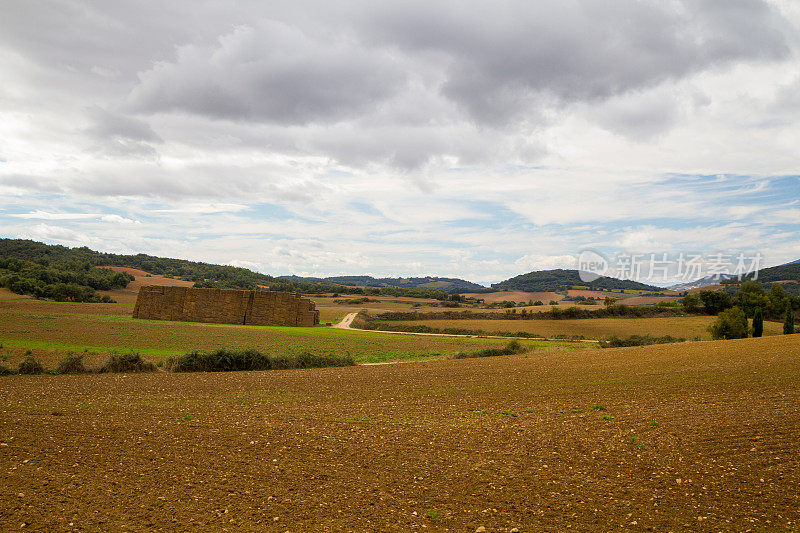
730	324
513	347
5	371
639	340
129	362
758	323
788	324
30	365
71	364
223	360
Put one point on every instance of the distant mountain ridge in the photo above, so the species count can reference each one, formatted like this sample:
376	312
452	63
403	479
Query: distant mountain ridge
703	282
449	285
560	279
786	272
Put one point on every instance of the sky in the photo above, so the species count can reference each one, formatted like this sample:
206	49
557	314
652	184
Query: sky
467	139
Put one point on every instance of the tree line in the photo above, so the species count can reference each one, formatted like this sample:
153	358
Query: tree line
751	301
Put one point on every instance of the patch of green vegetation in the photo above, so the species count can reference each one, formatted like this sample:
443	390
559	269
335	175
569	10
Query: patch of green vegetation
187	417
598	407
433	514
606	417
508	412
92	349
635	439
654	423
639	340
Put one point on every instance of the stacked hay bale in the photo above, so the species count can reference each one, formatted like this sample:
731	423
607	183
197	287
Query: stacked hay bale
223	306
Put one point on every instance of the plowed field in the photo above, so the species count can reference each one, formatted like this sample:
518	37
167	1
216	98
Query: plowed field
701	436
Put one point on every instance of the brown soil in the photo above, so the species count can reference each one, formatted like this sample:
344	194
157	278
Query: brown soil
692	437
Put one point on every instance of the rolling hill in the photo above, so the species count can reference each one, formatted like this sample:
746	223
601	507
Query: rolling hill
449	285
561	279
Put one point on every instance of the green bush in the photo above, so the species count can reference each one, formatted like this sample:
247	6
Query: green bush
730	324
71	364
29	366
129	362
5	371
223	360
513	347
639	340
788	323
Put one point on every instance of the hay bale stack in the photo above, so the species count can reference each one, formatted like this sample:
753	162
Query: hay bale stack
223	306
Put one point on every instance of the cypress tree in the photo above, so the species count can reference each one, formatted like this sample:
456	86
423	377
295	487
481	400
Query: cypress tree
758	323
788	324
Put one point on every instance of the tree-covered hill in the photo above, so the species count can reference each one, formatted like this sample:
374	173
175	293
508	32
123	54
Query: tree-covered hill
78	266
79	258
561	279
448	285
61	277
787	272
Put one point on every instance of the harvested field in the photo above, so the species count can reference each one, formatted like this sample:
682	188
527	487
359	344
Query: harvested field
515	296
50	329
687	327
693	437
142	278
650	300
333	312
598	294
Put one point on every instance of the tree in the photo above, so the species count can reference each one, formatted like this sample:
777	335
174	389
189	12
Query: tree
778	300
751	296
714	301
691	303
788	324
758	323
609	301
730	324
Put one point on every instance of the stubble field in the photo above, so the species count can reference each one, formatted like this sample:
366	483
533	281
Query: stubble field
691	437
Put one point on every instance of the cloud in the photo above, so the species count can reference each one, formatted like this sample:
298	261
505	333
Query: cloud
475	139
506	61
275	73
44	215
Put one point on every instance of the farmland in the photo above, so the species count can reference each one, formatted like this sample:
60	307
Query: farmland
698	436
688	327
50	329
